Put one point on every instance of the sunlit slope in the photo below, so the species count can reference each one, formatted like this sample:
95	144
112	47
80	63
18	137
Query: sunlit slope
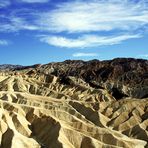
42	108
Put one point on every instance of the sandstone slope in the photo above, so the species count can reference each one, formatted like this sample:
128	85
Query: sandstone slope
75	104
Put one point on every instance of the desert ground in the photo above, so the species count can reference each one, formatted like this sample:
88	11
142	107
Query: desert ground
75	104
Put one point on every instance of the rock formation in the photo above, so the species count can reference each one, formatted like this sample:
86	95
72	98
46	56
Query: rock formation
75	104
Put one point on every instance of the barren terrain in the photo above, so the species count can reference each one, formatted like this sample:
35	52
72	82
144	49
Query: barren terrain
75	104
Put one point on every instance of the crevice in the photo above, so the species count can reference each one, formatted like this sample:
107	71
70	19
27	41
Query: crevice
45	131
117	94
145	96
95	85
7	139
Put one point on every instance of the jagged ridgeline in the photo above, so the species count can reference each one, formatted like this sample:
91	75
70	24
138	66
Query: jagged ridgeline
75	104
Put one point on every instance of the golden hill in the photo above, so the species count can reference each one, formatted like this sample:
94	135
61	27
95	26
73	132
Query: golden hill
43	109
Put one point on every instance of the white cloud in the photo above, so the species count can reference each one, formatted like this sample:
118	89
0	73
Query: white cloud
16	24
81	17
81	54
104	15
84	16
35	1
3	42
86	40
4	3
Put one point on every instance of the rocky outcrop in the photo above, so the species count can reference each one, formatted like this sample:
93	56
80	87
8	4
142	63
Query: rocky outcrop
128	76
8	67
75	104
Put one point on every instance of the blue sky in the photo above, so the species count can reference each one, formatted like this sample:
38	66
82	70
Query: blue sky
42	31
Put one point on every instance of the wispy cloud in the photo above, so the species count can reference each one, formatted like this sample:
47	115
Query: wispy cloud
86	40
92	17
81	54
4	3
104	15
3	42
82	16
35	1
16	24
117	20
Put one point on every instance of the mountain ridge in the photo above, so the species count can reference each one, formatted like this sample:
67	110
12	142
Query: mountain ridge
75	104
